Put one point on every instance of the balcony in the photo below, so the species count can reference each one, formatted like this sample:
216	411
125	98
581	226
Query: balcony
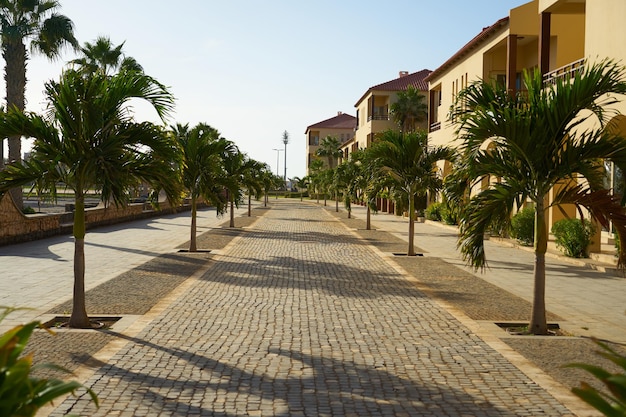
378	117
565	72
435	126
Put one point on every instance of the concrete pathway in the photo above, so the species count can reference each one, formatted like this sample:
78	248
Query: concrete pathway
39	275
298	317
593	303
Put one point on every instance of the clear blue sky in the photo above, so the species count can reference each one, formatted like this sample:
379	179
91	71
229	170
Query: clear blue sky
253	69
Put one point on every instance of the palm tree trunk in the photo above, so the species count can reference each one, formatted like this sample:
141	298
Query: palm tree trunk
538	323
79	318
232	213
368	220
249	206
265	199
411	250
337	203
14	54
192	240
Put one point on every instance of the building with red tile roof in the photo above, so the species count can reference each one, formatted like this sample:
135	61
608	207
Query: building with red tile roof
372	114
340	126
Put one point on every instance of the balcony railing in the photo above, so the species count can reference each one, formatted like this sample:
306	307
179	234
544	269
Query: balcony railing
378	117
565	72
435	126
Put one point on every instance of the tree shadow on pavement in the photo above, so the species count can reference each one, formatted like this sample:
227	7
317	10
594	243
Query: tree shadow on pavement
284	382
333	278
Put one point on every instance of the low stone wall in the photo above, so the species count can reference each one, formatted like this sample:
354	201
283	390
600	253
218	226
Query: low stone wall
16	227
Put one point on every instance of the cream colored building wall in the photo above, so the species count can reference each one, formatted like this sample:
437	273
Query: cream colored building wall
342	134
367	127
470	69
567	43
568	30
360	135
524	20
606	33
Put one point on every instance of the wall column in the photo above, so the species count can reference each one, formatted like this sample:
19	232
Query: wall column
511	65
544	43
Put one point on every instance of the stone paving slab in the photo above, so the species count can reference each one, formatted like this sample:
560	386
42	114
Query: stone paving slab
300	318
131	293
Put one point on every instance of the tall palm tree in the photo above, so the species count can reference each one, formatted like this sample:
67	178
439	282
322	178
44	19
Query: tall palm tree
410	163
369	181
299	184
102	55
409	109
237	166
203	176
531	142
330	148
269	181
315	176
21	21
253	181
88	140
348	178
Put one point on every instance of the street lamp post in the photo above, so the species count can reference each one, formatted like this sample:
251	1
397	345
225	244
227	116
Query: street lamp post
278	151
285	141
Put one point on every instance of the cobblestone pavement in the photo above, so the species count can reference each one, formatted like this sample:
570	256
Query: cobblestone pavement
301	318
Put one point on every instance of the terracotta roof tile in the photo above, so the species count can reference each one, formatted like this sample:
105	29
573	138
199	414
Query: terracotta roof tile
341	121
416	79
484	35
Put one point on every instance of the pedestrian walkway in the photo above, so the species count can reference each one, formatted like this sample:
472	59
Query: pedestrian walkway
39	275
298	317
592	302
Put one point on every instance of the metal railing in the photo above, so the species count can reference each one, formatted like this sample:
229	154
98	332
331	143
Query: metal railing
565	72
435	126
378	117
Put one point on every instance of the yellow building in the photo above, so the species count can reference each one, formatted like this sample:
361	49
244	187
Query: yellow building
341	127
373	108
556	36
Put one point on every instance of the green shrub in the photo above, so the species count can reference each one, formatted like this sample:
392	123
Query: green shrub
523	226
449	215
28	210
433	212
613	402
20	393
573	236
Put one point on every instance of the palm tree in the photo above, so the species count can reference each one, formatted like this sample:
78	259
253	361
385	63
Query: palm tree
88	140
202	173
532	142
103	56
348	179
330	148
368	181
48	32
410	163
409	109
315	176
269	181
253	181
325	183
299	184
237	166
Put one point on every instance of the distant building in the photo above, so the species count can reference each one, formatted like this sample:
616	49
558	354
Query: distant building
341	127
372	109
